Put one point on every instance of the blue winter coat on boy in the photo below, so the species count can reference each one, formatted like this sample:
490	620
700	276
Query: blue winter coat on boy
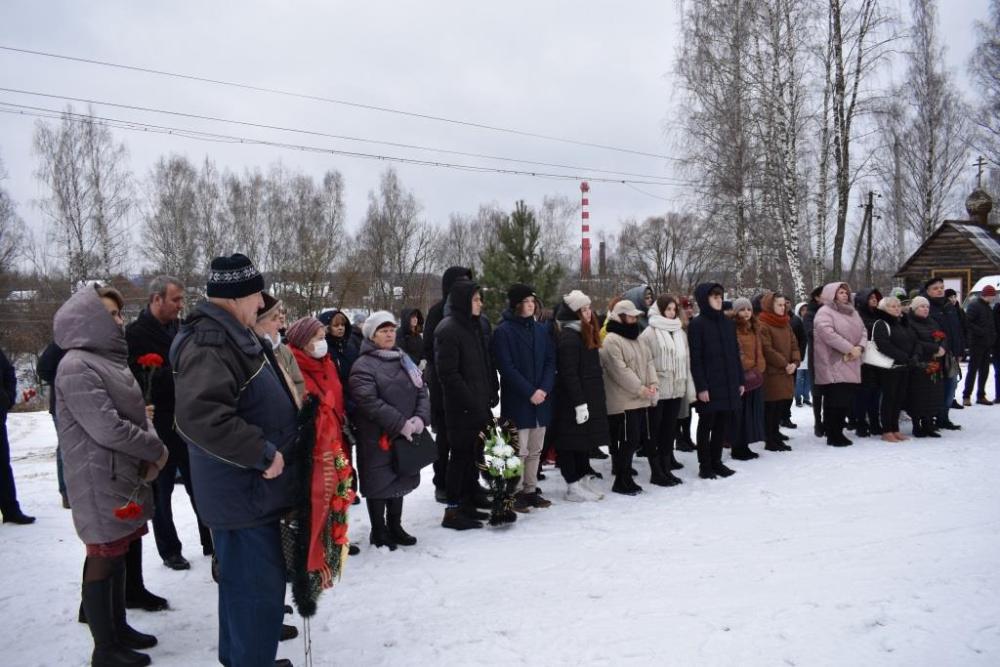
525	354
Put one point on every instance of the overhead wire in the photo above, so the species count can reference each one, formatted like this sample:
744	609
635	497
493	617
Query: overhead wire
317	133
332	100
131	125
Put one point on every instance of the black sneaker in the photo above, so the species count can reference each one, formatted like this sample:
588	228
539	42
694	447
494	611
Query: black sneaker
177	562
724	471
955	405
948	425
788	423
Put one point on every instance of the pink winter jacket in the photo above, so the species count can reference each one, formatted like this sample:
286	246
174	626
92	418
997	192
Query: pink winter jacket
836	329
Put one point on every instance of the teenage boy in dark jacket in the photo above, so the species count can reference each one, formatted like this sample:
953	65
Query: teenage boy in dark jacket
469	388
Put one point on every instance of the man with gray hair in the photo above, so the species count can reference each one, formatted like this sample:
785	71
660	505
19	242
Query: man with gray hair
152	333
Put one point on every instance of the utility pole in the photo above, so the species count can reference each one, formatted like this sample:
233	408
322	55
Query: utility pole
866	232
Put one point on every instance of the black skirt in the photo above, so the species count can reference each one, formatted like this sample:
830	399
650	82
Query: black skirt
752	417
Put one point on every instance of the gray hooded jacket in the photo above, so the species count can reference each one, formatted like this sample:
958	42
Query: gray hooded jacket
104	433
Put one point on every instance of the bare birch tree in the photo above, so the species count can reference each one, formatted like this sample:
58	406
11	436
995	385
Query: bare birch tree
984	66
12	232
169	234
89	195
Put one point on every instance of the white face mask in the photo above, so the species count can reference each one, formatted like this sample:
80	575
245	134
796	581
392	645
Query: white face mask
318	350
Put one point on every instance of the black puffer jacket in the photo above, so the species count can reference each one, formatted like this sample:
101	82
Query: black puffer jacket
468	380
434	316
715	355
895	338
579	381
982	324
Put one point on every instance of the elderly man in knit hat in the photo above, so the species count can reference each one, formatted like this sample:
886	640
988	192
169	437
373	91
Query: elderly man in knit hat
239	421
270	321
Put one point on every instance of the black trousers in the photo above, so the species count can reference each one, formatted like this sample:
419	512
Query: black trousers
713	429
979	368
574	465
462	479
628	431
8	492
167	542
817	400
444	449
663	427
867	401
894	383
774	412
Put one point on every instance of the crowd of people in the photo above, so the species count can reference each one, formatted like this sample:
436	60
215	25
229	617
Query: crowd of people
268	423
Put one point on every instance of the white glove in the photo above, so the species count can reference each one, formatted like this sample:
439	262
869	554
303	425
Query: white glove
582	414
423	365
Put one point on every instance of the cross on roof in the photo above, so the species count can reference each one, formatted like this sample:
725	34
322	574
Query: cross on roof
980	162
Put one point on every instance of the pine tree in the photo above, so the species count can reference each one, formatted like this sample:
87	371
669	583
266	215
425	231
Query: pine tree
514	255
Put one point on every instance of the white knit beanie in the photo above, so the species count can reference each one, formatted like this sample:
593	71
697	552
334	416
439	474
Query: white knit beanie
376	320
576	300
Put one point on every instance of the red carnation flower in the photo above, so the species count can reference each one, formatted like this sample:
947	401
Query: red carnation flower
151	360
939	335
130	510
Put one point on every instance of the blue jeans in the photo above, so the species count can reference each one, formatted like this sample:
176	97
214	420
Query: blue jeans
251	594
803	384
950	386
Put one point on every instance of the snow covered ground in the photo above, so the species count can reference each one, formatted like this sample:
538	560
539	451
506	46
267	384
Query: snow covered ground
875	554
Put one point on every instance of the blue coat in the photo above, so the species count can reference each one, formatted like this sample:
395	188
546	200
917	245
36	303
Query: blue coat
715	356
525	354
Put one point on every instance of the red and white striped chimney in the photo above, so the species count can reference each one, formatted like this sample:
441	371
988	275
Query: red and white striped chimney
585	229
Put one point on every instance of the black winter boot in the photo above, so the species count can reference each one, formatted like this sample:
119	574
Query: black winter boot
862	430
684	442
127	636
658	476
929	428
394	517
456	520
97	605
379	536
743	453
136	595
629	478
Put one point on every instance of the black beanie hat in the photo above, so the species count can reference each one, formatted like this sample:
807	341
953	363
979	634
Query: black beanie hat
233	277
518	293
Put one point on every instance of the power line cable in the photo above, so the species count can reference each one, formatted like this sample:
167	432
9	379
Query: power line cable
331	100
41	112
317	133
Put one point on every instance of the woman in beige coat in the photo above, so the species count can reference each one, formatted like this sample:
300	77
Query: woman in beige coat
630	384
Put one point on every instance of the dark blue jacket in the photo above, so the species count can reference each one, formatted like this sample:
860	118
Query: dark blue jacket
947	316
525	354
234	412
715	355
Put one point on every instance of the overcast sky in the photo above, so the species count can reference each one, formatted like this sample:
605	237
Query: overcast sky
591	71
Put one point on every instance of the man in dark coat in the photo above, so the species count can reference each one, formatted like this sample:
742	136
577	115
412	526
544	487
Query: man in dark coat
48	363
996	354
815	303
718	378
152	333
525	355
982	339
435	314
468	383
949	320
239	421
9	506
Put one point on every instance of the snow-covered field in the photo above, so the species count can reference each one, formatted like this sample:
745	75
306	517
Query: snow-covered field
876	554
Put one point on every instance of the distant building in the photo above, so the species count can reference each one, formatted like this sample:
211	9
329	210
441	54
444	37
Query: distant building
959	251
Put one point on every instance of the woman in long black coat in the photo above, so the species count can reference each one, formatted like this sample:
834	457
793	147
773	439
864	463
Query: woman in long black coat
895	338
926	390
581	420
718	378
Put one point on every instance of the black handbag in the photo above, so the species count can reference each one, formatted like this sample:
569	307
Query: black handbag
410	456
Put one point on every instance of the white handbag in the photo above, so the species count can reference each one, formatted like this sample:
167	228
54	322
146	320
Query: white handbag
873	356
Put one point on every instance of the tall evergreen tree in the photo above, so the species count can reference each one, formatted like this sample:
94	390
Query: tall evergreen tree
514	255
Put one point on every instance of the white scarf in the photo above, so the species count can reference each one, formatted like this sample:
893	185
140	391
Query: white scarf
672	354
